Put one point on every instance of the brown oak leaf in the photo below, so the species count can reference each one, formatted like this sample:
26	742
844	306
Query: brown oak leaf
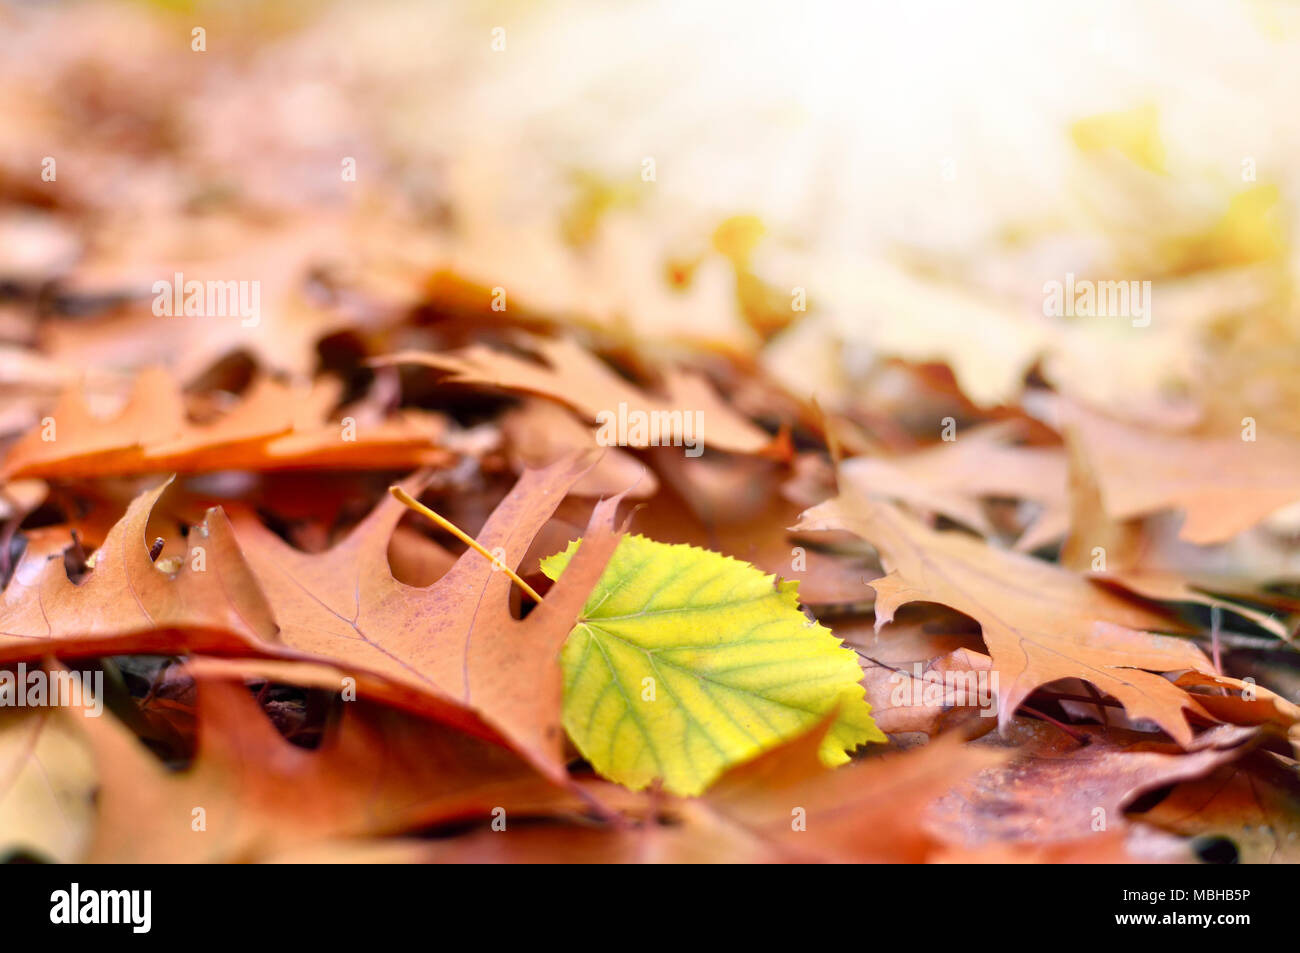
210	601
456	638
1040	622
249	793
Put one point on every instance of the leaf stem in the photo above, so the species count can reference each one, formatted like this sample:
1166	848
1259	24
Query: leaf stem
409	501
1076	735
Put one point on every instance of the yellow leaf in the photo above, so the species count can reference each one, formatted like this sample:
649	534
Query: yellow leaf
685	662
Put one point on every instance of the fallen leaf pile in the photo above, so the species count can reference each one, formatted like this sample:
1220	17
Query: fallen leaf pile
898	566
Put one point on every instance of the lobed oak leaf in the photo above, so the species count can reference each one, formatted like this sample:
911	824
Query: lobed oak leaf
128	603
453	642
1040	622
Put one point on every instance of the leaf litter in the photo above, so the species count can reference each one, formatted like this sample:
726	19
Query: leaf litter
881	570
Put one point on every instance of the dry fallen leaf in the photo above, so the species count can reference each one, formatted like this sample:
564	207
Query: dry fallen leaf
455	640
953	478
274	426
574	377
1040	622
211	600
1055	789
784	806
1224	484
1254	805
249	793
301	252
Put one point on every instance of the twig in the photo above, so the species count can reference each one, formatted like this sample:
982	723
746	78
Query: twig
407	500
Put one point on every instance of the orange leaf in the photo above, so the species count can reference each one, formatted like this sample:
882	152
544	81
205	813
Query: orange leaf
1040	622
